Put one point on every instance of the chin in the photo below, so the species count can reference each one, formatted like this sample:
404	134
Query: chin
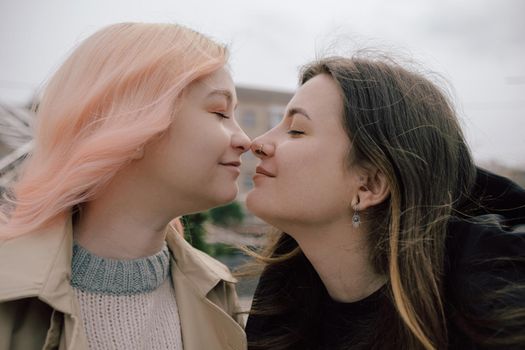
226	196
281	217
256	205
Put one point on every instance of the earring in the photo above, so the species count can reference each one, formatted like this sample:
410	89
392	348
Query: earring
356	219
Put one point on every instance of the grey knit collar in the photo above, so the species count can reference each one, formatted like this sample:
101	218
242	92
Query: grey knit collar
91	273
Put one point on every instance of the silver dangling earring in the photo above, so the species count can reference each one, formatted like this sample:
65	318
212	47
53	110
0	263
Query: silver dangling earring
356	219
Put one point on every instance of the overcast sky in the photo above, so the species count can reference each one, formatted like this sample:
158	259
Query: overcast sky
477	45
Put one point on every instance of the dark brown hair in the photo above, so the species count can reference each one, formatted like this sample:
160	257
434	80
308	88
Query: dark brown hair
403	124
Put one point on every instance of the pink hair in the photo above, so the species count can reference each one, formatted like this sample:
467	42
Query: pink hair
116	92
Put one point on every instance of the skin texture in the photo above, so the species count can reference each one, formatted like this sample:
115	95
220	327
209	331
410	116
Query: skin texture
306	188
192	167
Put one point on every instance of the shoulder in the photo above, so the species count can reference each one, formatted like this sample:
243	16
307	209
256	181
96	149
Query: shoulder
484	237
27	261
485	277
483	252
487	244
495	194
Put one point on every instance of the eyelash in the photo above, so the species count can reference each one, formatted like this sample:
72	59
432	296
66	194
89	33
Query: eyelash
221	115
295	132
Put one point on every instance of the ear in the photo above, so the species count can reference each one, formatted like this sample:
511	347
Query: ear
373	189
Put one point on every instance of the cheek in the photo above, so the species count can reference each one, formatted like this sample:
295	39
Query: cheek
180	160
199	133
311	185
202	145
317	189
310	171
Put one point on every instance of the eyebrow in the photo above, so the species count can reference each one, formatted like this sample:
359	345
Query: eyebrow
226	93
297	110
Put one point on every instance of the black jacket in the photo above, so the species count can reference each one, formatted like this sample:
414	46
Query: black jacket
486	257
485	253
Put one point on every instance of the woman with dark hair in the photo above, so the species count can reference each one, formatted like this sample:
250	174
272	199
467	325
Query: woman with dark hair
389	237
135	129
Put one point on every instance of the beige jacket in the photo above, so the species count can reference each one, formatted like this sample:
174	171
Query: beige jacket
38	308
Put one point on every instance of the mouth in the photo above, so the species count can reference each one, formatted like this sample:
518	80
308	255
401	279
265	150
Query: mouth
260	170
235	167
232	164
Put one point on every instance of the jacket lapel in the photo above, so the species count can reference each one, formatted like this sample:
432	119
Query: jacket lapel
205	325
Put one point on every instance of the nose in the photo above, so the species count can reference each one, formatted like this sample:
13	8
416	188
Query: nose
240	140
262	149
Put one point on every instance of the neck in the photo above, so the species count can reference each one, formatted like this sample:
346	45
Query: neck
341	256
126	221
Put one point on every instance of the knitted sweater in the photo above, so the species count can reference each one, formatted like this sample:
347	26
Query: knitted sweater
126	304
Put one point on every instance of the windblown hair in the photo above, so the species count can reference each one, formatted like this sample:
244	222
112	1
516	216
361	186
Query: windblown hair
403	124
116	92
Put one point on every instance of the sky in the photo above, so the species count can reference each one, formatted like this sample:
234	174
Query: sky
477	46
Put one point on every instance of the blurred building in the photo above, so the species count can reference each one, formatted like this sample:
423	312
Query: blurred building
258	111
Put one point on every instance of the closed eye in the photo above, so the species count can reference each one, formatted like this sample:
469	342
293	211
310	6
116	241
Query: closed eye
295	132
221	115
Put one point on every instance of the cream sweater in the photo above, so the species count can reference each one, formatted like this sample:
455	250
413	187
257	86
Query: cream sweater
126	304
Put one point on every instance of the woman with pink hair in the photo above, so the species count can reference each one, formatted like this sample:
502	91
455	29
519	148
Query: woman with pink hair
135	129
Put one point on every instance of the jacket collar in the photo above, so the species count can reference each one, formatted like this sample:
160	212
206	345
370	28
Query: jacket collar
199	268
40	266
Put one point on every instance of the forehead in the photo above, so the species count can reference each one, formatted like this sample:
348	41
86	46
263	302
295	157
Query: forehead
319	96
218	82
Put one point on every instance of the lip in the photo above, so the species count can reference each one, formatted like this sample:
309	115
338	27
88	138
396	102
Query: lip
234	163
233	166
262	171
